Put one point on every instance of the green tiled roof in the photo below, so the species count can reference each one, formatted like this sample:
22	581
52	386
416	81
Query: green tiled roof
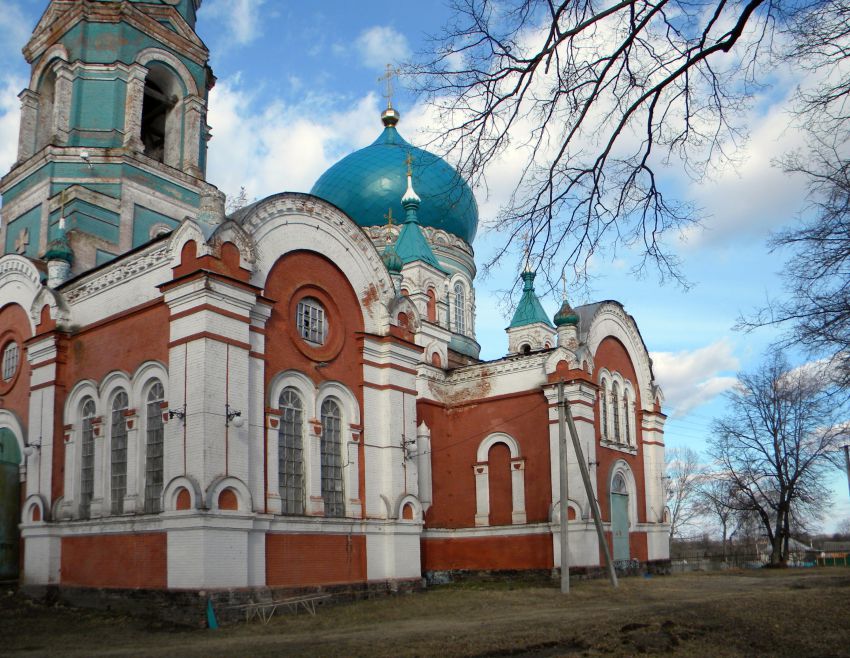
529	310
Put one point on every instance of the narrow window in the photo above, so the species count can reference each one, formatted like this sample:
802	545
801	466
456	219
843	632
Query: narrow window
154	449
11	359
118	441
46	101
627	426
310	321
615	410
87	459
331	449
603	405
290	453
431	307
460	309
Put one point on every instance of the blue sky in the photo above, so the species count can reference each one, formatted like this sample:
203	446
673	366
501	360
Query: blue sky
297	89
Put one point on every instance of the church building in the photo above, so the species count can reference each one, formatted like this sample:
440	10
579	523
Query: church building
289	396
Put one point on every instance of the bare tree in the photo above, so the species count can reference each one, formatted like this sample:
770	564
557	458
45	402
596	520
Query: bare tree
716	502
684	472
781	433
595	99
816	305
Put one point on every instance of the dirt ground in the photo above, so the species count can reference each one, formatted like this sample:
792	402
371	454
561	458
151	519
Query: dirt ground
796	612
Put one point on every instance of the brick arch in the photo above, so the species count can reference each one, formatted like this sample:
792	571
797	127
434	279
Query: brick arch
481	470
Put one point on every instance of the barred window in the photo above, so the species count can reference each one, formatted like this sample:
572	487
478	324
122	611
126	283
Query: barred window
154	449
291	453
118	442
331	449
87	458
460	309
615	410
11	359
311	323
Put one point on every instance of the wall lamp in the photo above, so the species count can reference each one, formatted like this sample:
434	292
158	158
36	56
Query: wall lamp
233	415
32	447
178	413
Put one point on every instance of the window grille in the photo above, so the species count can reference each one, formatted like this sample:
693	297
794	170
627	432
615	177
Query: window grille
331	449
154	449
460	309
310	321
87	459
618	484
615	410
290	453
118	440
11	358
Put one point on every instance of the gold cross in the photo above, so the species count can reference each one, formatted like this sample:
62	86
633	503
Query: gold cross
391	73
22	241
564	284
409	162
389	218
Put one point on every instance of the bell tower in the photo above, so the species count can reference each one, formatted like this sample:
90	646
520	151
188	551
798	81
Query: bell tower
113	137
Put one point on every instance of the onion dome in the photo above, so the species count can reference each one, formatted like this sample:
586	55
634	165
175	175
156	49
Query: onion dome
529	310
566	315
367	182
59	248
392	260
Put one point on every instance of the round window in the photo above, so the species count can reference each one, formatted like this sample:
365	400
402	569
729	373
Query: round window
311	321
10	361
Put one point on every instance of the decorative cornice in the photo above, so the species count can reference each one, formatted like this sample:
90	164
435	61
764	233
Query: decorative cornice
113	275
14	264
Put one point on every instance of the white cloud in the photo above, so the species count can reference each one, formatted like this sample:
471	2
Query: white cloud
15	30
382	45
692	378
240	17
10	114
280	146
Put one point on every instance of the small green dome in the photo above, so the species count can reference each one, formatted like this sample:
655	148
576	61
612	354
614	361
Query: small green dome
392	260
566	315
368	182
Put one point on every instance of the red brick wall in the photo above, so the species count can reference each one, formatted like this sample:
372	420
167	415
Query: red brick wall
499	553
499	474
300	560
136	561
455	436
611	354
14	323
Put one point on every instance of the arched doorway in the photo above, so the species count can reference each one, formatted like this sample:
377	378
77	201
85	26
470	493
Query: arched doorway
10	504
620	517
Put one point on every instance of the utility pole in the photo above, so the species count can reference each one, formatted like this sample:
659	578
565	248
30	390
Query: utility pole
565	513
594	506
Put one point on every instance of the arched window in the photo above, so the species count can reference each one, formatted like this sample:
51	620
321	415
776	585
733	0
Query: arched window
615	410
46	103
618	485
11	359
431	305
525	349
627	425
460	308
290	443
118	444
331	449
87	458
603	405
154	448
161	129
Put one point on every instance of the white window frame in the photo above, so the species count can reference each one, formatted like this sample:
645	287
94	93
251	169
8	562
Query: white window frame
311	321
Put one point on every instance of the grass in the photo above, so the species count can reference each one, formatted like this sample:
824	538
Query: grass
754	613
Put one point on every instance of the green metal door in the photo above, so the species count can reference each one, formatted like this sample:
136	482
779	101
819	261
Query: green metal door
620	525
10	504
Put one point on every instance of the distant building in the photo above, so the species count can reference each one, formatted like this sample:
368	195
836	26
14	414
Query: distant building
289	396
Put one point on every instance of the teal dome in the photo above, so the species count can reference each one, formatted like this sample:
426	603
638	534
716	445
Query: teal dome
368	182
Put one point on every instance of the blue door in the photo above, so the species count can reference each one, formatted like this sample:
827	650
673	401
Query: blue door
10	505
620	518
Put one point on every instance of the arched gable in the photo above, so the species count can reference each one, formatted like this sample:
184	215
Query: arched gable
20	283
290	222
610	320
